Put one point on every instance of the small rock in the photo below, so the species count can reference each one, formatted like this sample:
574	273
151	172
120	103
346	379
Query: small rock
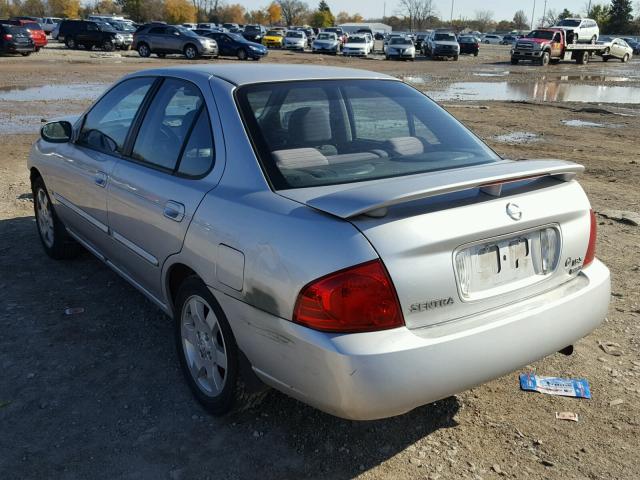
537	442
547	463
617	401
622	216
496	468
602	359
611	348
415	461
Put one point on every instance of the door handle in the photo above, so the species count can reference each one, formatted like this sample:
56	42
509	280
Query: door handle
174	211
100	179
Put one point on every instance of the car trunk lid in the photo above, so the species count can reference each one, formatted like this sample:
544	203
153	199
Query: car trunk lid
459	242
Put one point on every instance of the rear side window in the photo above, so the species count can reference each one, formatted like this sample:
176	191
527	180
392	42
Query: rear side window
197	157
315	133
106	126
167	123
157	30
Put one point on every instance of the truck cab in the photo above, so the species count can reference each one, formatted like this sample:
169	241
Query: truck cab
551	45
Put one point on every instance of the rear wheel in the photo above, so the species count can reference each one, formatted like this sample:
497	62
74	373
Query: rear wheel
241	54
191	52
475	54
108	46
583	58
144	50
605	59
54	237
625	59
209	355
70	42
594	39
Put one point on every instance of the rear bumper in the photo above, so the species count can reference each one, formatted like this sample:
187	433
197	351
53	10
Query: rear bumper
381	374
16	48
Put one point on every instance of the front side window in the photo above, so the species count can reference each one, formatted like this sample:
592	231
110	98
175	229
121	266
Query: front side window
167	124
106	126
314	133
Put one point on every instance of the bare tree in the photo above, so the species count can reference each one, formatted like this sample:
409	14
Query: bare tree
520	20
292	11
425	11
483	19
409	8
550	18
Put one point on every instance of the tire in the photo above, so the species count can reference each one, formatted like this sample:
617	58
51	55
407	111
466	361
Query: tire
594	39
241	54
70	42
25	54
514	61
108	46
144	51
544	60
53	235
605	59
455	58
88	47
475	54
191	52
583	58
575	39
486	42
625	59
208	352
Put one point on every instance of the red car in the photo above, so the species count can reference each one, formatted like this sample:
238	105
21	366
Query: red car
38	35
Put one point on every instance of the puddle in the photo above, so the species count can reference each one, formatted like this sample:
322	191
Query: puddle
588	78
544	91
416	80
517	137
584	123
19	124
82	91
491	74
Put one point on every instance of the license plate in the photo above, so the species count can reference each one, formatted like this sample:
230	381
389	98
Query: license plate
504	264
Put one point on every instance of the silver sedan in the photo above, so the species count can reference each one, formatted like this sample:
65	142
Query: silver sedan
332	233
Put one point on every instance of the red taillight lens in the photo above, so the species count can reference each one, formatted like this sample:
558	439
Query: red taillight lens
8	36
358	299
591	249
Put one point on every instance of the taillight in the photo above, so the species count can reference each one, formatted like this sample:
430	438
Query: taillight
8	36
591	249
358	299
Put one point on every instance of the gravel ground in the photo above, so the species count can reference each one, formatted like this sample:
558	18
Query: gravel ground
99	394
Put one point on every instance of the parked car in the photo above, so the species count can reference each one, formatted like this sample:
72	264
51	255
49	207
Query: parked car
442	44
421	37
469	44
400	48
509	39
214	189
618	49
207	26
311	35
35	30
326	42
273	38
124	37
55	33
492	39
342	35
295	40
15	39
235	45
89	34
190	26
49	23
356	46
168	39
580	30
254	33
232	27
388	38
634	44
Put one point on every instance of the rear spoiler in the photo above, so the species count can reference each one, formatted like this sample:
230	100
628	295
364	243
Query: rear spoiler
373	198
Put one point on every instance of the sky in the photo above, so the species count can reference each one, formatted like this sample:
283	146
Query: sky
502	9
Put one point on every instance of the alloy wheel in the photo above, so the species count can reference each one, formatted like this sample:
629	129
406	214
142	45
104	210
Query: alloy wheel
203	346
44	218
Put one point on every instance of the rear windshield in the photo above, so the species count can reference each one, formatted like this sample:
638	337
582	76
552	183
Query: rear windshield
14	30
326	36
274	33
294	34
467	40
399	41
314	133
33	26
569	23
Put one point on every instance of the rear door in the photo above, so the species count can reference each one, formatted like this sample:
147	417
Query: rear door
154	193
81	169
155	38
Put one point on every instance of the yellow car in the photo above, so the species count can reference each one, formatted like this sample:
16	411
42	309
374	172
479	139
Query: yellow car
273	39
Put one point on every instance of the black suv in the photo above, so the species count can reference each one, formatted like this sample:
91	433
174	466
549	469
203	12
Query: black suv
89	34
15	39
254	33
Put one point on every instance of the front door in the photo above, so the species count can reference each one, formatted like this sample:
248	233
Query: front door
154	193
81	169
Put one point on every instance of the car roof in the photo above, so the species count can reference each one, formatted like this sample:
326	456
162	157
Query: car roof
244	74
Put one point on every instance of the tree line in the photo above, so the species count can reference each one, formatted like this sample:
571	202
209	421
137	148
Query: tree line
616	16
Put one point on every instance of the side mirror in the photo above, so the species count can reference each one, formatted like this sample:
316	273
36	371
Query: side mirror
57	132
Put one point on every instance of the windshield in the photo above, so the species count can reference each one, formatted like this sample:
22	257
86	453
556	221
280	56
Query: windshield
467	40
399	41
294	34
186	31
251	28
569	23
326	36
32	26
304	139
274	33
357	40
445	37
237	37
542	34
105	27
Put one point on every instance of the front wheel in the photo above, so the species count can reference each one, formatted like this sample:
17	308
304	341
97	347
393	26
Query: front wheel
455	58
53	235
544	61
209	355
190	52
108	46
475	54
70	42
25	54
625	59
241	54
514	61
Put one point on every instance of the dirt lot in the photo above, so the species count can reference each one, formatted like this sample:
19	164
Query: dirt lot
99	394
